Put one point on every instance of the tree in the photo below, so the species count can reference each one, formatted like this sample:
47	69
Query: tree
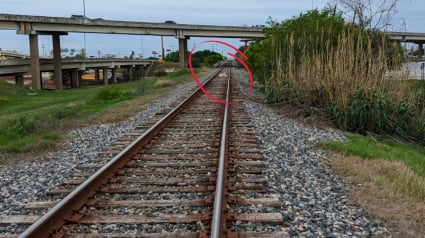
212	59
370	14
172	56
197	57
306	34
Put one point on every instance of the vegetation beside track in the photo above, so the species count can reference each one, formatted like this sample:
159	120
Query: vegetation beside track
35	121
318	61
410	182
412	156
387	179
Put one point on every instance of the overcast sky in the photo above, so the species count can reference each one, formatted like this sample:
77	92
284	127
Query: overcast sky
217	12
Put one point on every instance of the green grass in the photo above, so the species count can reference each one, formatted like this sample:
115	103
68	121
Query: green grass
35	120
412	156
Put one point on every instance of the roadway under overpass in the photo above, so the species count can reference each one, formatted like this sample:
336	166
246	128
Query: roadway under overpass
57	26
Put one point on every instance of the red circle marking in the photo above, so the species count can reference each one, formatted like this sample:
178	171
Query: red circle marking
233	56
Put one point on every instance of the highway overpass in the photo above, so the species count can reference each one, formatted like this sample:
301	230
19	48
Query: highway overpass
57	26
73	67
412	37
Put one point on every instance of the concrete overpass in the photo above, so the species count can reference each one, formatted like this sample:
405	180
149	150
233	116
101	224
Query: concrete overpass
56	26
411	37
13	55
6	54
75	67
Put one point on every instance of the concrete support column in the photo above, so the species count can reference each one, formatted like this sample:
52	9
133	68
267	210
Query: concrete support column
80	78
74	79
130	71
183	53
35	62
147	70
137	72
142	69
19	79
114	75
105	76
96	75
420	51
57	62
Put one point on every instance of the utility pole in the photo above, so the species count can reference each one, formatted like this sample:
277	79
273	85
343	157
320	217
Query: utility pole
84	14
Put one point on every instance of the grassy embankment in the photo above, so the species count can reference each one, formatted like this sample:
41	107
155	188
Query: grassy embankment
387	179
35	121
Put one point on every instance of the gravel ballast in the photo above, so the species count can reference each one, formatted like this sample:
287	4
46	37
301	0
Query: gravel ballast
314	200
29	181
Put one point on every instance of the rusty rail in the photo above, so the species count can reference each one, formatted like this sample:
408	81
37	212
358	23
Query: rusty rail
217	225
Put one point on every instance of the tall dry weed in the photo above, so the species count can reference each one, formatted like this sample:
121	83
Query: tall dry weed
337	75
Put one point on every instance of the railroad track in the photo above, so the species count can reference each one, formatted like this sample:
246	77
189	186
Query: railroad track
195	171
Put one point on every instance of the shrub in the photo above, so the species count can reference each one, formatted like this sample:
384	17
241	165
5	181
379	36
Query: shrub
172	56
212	59
59	113
373	111
316	59
196	61
108	93
18	127
3	99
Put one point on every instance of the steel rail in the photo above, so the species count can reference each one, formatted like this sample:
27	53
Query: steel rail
217	223
50	223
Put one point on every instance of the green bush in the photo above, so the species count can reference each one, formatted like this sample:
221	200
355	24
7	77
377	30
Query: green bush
317	59
15	128
22	126
172	56
59	113
196	61
212	59
374	112
108	93
3	100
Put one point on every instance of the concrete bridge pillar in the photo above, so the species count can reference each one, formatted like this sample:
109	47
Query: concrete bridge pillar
130	72
75	79
57	62
183	56
96	75
105	76
80	78
420	51
19	79
138	73
35	62
147	70
114	75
